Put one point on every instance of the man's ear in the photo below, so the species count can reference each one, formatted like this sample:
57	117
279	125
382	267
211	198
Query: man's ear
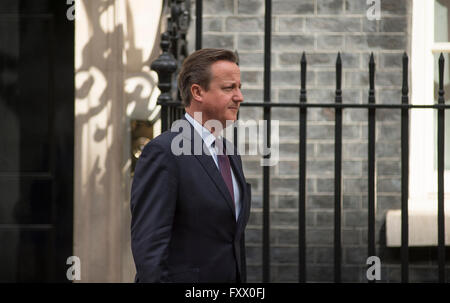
197	92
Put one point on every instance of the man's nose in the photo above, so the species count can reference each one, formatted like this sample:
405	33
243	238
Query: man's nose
238	96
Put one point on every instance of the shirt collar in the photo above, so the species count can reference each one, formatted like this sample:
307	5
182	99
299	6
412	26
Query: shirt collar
206	135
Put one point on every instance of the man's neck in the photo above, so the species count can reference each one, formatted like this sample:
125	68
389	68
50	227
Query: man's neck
201	119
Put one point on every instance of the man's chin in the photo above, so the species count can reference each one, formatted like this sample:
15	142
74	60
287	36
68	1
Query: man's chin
231	120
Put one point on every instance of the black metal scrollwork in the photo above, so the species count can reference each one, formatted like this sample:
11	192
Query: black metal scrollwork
168	64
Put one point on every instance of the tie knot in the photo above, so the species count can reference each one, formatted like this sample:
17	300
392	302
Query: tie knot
219	145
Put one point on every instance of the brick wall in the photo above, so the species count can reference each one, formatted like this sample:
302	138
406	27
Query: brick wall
321	28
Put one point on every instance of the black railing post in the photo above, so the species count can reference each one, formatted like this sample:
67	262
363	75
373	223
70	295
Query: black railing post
405	171
198	23
338	174
165	66
441	168
371	162
266	169
302	176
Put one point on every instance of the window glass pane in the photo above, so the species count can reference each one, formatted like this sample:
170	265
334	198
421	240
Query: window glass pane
441	18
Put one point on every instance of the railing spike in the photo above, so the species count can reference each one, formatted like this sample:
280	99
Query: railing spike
372	72
441	74
338	76
405	74
303	77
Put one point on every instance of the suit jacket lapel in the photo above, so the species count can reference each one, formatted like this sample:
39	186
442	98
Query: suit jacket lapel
210	167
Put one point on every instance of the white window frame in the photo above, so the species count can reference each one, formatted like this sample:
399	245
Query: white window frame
423	175
422	204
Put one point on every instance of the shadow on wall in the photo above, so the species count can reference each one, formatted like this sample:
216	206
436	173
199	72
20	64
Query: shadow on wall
144	86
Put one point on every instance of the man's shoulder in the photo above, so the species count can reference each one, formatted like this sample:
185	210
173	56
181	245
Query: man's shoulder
164	138
161	142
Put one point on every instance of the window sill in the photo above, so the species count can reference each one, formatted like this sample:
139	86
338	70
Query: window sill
422	227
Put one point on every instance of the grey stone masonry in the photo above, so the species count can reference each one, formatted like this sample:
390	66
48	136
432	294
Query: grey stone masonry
320	28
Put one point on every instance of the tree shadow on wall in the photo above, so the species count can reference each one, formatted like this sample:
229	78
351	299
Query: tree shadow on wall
106	90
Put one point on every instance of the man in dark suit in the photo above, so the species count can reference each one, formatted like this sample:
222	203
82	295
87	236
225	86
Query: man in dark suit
190	208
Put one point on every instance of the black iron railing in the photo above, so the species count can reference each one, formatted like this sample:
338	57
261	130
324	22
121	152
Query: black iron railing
371	106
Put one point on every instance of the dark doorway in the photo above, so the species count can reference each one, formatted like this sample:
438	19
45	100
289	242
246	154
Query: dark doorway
36	140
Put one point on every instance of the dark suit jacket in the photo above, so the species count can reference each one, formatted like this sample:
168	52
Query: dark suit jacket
183	226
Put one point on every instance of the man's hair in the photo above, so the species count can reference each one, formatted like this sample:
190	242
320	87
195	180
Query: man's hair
196	69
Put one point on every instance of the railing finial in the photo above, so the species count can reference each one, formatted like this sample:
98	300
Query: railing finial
338	78
303	78
441	75
371	74
165	66
405	88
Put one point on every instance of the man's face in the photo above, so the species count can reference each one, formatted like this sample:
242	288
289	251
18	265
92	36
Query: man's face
223	98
